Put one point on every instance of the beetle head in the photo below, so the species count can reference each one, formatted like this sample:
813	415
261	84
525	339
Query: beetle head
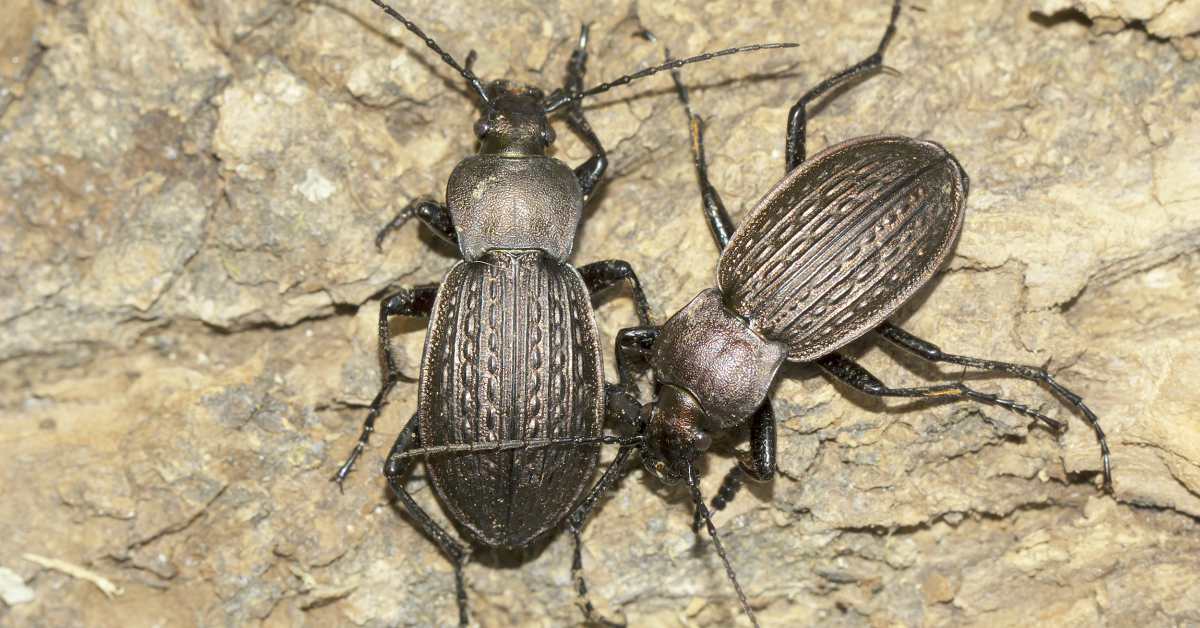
675	435
514	121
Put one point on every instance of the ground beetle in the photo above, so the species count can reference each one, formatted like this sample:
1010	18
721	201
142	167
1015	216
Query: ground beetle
825	257
512	354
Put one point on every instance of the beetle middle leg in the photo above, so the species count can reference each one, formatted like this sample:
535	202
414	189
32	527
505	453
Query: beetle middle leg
931	352
395	470
606	274
416	302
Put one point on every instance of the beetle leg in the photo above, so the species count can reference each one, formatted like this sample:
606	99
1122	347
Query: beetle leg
798	116
600	276
758	464
591	171
405	302
852	374
933	353
634	347
625	411
575	523
435	216
395	469
719	222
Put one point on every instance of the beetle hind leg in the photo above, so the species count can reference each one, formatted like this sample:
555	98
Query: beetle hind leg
404	302
624	410
575	524
395	471
931	352
850	373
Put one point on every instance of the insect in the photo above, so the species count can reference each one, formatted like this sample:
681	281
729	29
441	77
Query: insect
829	253
512	354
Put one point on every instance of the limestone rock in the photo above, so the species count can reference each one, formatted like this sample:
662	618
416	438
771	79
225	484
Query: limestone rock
189	289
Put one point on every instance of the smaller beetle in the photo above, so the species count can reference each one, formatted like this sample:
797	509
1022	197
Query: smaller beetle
831	252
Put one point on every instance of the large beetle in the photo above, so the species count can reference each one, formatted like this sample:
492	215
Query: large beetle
512	354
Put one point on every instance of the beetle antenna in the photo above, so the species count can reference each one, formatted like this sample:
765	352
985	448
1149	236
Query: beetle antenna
694	486
511	445
563	99
433	45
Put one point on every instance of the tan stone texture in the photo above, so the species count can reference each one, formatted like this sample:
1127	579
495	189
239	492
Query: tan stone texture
188	294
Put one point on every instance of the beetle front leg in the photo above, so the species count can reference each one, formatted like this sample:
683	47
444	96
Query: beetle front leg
931	352
599	276
590	172
758	464
395	470
417	302
798	116
435	215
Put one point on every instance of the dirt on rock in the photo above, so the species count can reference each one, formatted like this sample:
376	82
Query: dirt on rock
188	292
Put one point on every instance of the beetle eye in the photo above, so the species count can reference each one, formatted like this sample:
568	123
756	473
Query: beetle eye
482	128
548	136
702	441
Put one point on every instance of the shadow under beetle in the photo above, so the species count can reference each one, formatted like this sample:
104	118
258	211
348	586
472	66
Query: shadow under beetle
833	250
512	354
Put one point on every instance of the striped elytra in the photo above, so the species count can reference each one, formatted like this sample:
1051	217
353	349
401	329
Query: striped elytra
512	353
843	240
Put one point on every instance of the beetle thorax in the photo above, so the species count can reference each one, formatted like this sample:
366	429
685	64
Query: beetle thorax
511	195
716	356
500	202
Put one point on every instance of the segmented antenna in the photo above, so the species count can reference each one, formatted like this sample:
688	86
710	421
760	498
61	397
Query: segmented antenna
416	30
511	445
694	486
563	99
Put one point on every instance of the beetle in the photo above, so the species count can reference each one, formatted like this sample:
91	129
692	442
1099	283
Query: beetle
512	353
827	255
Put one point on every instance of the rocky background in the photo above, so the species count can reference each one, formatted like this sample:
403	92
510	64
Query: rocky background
188	194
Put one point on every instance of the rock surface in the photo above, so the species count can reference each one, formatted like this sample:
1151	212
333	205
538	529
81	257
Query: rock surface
188	193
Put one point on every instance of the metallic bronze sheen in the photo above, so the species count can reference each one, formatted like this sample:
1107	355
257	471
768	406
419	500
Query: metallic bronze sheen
713	354
512	353
843	240
499	202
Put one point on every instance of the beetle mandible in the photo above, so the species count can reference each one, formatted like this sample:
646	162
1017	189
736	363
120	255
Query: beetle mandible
512	353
